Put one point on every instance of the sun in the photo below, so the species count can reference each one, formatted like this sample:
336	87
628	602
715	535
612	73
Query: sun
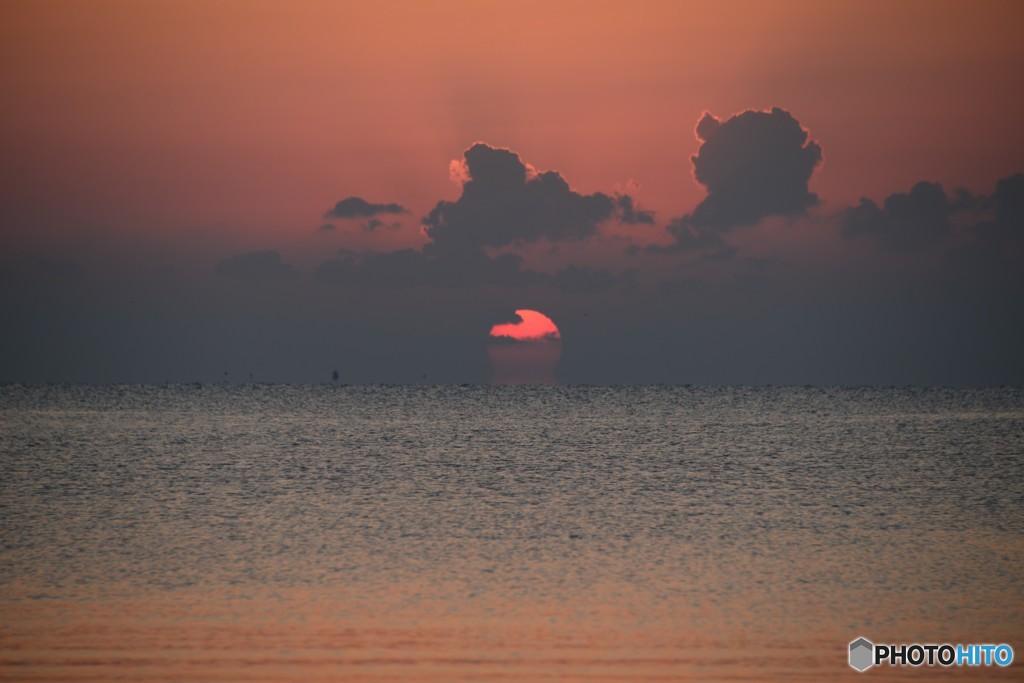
525	350
531	326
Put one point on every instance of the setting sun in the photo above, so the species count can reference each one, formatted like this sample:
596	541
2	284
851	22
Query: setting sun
532	326
527	351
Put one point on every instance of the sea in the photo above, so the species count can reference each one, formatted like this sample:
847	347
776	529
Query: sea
219	532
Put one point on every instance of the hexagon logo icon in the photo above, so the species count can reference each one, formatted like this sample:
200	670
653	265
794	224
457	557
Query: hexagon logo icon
862	654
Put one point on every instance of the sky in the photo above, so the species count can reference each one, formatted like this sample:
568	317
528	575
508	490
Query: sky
703	193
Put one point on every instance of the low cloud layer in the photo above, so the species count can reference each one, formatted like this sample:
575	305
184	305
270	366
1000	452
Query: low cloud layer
687	237
995	246
257	266
906	221
357	207
408	268
972	226
584	280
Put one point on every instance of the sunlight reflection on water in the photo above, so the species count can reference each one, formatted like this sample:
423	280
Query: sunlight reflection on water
500	533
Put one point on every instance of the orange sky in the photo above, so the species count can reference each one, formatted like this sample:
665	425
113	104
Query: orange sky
167	168
241	122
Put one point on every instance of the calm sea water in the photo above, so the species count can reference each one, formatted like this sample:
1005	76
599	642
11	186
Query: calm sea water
277	533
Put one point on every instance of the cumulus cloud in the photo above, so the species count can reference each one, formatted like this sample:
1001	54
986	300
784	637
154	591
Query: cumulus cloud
754	165
906	221
629	214
257	266
504	203
357	207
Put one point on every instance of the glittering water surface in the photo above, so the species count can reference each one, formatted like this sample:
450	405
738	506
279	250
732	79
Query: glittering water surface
503	534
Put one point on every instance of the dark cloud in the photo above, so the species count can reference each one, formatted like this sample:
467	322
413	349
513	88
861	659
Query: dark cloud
755	164
369	226
630	215
997	244
763	273
357	207
762	264
726	252
374	223
964	200
688	237
584	280
682	286
396	269
256	266
408	268
1008	202
906	221
501	204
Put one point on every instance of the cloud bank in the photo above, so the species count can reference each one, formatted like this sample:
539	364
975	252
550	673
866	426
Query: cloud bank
908	221
257	266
